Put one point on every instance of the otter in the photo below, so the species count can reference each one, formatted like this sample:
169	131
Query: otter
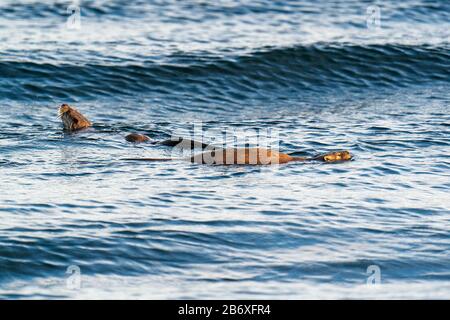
137	138
73	120
252	156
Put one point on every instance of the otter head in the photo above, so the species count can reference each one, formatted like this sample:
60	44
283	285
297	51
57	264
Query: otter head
336	156
137	138
72	119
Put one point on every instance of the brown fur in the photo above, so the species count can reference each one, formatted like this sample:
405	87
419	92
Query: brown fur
256	156
253	156
137	138
72	119
334	156
261	156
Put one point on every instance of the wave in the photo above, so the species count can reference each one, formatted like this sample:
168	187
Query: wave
418	11
268	72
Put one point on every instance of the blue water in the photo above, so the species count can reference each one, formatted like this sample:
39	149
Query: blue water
313	71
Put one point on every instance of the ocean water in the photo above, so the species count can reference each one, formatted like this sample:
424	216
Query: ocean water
372	77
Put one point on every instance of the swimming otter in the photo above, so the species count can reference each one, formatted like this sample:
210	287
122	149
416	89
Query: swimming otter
137	138
173	142
73	120
252	156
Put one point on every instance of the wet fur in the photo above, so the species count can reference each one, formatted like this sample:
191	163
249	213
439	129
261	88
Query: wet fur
73	120
252	156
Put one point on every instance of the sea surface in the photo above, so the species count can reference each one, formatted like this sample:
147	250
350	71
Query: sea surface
372	77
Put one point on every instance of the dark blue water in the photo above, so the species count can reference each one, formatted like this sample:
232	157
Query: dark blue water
323	75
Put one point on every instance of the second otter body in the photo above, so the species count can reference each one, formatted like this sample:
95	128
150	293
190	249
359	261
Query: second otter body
252	156
257	156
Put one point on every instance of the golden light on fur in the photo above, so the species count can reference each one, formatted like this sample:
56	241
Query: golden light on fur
335	156
137	138
252	156
256	156
261	156
72	119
